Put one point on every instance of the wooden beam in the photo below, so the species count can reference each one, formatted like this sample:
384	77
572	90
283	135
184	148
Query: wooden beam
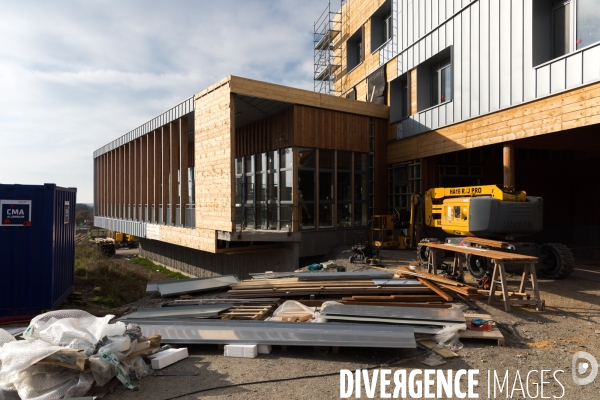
509	164
436	289
150	174
183	167
131	179
174	190
166	158
157	173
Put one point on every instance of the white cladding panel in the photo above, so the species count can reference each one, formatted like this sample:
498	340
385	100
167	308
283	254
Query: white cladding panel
492	57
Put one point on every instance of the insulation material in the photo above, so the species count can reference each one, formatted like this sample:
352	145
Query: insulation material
264	349
241	350
168	357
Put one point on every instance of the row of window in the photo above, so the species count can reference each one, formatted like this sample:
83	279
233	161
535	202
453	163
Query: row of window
332	189
381	32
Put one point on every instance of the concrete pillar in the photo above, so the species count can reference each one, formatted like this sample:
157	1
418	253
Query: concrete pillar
509	164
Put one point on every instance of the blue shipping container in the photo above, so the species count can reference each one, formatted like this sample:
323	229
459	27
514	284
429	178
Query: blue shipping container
37	247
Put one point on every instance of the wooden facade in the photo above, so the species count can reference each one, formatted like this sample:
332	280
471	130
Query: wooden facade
132	173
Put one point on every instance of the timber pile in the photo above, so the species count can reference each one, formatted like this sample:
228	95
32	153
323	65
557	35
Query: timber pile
81	238
444	287
293	287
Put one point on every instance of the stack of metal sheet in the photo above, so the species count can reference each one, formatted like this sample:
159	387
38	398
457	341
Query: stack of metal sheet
195	311
394	315
279	333
193	285
342	276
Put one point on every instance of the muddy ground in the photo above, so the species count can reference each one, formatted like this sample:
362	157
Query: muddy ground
535	340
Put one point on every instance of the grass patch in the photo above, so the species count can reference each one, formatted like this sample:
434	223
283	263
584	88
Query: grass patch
109	282
144	262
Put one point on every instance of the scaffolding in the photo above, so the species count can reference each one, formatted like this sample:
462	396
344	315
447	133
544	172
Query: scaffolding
327	58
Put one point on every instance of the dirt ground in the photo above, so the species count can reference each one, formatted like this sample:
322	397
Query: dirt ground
535	340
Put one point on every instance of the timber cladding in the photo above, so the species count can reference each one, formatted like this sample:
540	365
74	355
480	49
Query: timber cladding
303	126
356	15
213	161
275	92
571	109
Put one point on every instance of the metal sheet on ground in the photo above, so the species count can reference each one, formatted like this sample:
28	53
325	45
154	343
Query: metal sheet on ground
397	282
152	287
184	286
389	320
279	333
342	276
179	312
405	313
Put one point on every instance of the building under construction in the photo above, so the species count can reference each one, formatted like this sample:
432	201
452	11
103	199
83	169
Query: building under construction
409	95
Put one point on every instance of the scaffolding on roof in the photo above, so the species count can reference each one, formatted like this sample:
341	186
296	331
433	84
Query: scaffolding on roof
327	59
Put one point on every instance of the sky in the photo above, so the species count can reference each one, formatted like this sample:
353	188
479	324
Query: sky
75	75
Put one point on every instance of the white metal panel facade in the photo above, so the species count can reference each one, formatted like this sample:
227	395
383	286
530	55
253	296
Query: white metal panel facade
492	63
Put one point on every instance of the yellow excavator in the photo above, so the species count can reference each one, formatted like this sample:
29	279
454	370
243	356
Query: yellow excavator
483	212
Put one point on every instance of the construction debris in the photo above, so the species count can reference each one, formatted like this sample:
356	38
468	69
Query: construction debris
168	357
277	333
195	311
194	285
241	350
339	276
67	352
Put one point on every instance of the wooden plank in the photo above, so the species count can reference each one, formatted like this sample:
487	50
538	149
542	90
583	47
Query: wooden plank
443	352
436	289
431	277
272	91
494	254
487	242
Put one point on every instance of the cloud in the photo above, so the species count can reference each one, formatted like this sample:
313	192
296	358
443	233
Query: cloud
77	75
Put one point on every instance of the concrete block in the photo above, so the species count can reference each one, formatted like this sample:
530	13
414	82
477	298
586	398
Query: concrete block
168	357
264	348
241	350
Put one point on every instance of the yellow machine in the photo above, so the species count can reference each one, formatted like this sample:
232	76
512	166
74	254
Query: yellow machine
125	240
488	211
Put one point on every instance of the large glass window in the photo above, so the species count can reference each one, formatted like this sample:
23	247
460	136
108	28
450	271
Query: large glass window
588	29
361	183
441	82
332	189
307	187
326	186
404	180
387	27
344	189
259	194
574	24
562	28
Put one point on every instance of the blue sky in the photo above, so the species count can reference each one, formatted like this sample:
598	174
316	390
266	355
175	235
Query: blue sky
74	75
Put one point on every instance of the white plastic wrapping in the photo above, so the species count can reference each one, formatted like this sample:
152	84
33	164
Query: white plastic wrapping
5	337
48	383
449	337
59	330
291	306
317	318
72	328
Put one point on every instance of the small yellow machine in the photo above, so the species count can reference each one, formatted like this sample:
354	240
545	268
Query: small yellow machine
488	211
125	240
